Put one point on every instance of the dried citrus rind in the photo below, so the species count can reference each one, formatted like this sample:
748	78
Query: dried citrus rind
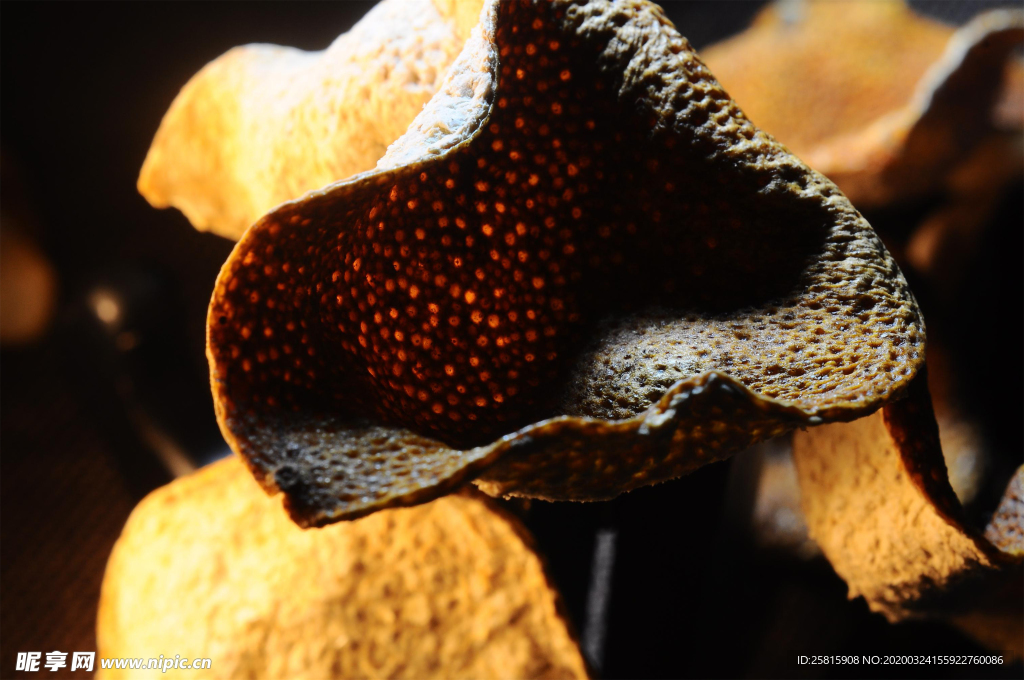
264	124
210	567
778	521
877	501
580	231
882	101
1006	529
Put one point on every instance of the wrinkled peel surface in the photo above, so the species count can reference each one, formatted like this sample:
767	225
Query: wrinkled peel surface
1006	529
582	270
777	517
877	501
210	567
882	101
264	124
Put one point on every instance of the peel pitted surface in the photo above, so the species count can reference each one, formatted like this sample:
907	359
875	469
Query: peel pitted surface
210	567
580	231
1006	529
264	124
967	453
877	500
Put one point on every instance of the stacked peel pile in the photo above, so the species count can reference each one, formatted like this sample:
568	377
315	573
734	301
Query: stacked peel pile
535	248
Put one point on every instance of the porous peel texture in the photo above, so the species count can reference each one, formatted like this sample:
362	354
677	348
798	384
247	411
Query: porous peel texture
967	454
263	124
1006	529
877	501
210	567
882	101
596	274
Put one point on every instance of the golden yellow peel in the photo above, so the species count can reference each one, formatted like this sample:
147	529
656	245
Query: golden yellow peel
210	567
263	124
884	102
877	501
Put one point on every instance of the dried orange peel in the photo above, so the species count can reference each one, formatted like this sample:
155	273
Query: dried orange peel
884	102
264	124
778	522
210	567
877	501
582	270
1006	529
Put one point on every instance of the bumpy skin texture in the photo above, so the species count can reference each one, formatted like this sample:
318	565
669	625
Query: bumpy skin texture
210	567
264	124
885	103
581	231
1006	530
778	521
878	503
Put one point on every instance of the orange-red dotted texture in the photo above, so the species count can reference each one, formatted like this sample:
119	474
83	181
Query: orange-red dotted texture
614	226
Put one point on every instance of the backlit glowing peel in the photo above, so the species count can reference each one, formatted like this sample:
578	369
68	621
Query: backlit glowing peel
877	501
210	567
580	231
263	124
779	522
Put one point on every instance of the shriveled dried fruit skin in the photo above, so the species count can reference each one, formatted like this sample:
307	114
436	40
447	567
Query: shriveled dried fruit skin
209	566
777	518
264	124
877	501
1006	530
866	65
884	102
604	189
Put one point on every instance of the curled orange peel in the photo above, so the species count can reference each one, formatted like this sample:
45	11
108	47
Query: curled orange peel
582	270
877	501
778	522
210	567
263	124
884	102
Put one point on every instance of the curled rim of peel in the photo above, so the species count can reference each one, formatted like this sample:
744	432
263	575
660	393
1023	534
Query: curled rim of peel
621	421
879	504
931	123
779	521
304	593
262	124
932	126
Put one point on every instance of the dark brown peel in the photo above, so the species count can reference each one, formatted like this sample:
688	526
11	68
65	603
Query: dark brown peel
581	231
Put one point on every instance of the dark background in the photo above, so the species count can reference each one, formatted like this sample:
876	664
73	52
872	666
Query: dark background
84	87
